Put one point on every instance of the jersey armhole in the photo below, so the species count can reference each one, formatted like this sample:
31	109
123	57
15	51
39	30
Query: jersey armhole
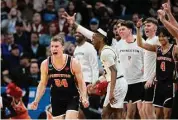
71	68
47	64
173	53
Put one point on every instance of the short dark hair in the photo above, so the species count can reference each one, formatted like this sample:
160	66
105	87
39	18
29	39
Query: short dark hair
151	20
58	38
129	24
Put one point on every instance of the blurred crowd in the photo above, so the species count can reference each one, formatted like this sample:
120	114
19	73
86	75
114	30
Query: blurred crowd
27	27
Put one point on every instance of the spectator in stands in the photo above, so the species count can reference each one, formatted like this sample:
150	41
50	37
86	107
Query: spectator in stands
71	9
6	46
61	4
36	50
26	9
38	5
61	22
135	19
154	7
21	37
14	15
94	24
34	74
4	15
13	60
70	36
49	14
69	48
37	25
46	38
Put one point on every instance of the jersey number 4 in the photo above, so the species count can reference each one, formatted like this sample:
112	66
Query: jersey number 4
60	83
163	66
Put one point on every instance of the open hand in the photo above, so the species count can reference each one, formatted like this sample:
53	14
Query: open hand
70	19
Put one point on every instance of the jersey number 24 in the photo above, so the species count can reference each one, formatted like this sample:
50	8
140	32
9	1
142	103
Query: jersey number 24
61	82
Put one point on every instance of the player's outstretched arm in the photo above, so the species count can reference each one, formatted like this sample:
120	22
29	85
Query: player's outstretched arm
140	42
76	68
169	26
167	8
42	85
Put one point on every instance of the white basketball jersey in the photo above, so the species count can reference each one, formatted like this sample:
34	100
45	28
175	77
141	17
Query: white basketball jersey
150	60
131	61
108	58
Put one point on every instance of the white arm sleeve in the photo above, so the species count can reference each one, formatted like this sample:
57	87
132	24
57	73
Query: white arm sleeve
93	60
87	33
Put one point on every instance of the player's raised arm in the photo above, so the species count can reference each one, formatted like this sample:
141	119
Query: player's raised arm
140	42
167	8
169	26
42	85
85	32
76	68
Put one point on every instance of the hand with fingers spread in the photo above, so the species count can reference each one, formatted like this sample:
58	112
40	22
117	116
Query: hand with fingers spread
161	15
70	19
139	23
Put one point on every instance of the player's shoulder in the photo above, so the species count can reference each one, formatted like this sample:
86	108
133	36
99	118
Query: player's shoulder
44	64
87	44
44	61
107	51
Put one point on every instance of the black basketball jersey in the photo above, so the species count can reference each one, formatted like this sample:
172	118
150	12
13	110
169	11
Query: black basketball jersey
63	85
165	65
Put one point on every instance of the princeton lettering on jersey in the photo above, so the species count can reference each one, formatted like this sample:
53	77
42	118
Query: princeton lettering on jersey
130	50
60	76
164	58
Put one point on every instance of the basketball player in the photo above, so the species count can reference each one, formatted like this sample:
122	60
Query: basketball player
149	64
165	65
61	69
117	87
131	60
87	57
21	111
